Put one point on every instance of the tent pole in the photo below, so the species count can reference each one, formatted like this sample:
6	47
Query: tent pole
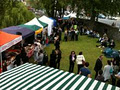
1	61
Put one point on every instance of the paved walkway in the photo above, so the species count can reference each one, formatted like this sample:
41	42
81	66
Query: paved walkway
109	22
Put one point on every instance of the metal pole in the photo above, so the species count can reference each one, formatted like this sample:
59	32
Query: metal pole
1	61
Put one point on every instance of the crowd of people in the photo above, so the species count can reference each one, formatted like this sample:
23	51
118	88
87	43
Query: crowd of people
110	72
19	54
82	65
72	31
106	42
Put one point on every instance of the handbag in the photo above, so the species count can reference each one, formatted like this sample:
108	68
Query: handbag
83	62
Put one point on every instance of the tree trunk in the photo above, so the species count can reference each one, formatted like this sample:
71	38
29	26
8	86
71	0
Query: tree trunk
97	18
93	15
52	8
63	11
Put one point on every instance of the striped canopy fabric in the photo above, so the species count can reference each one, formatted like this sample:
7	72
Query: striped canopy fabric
36	77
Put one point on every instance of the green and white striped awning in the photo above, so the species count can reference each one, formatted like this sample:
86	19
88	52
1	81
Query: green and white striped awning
36	77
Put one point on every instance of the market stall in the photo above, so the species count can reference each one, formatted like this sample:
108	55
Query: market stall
27	34
34	22
15	29
6	41
49	22
35	77
54	22
35	28
42	23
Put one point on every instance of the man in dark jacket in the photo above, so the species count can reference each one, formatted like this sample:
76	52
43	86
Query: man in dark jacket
57	43
72	59
98	65
52	59
58	58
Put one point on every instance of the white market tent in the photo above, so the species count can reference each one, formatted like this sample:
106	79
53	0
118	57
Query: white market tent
66	15
34	22
49	22
36	77
73	15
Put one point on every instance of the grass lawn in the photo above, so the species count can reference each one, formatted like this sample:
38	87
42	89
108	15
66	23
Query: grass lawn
85	44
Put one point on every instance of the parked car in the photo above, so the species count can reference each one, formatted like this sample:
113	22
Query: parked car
101	16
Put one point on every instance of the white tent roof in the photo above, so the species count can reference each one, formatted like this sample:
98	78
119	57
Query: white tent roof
45	19
34	22
49	22
72	15
66	16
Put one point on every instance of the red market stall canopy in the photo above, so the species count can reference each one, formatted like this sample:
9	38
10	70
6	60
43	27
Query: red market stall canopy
15	29
8	40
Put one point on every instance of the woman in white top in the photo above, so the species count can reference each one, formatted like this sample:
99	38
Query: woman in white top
79	60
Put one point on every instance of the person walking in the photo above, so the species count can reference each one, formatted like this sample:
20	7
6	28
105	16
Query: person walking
98	65
58	58
72	59
80	59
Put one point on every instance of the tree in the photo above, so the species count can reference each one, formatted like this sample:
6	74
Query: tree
91	7
16	13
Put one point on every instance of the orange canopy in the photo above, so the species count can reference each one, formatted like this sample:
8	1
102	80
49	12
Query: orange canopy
7	40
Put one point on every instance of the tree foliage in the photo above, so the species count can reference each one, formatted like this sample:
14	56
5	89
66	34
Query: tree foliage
14	13
91	7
